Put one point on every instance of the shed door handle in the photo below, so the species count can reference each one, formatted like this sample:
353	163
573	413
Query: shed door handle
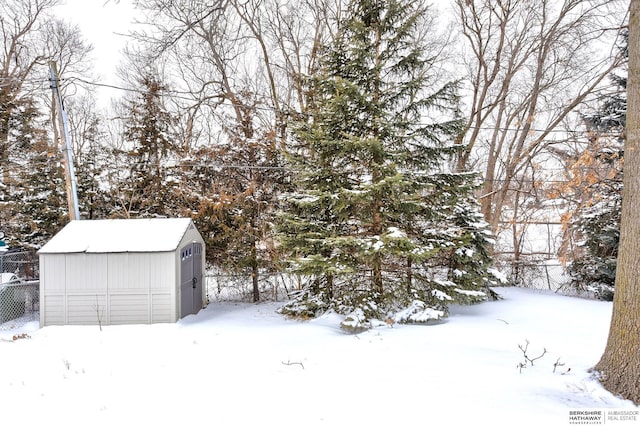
193	282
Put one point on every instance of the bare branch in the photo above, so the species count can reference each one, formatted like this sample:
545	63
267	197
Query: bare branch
289	363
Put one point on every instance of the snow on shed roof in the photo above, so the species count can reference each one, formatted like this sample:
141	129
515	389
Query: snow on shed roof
119	235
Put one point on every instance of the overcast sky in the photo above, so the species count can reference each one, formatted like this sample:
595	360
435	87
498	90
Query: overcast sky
102	22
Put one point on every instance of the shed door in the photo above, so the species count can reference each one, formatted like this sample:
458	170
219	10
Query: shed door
190	279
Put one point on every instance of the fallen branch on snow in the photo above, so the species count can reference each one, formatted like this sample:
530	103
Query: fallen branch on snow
289	363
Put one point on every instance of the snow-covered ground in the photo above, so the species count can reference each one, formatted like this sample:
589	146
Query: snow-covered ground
239	364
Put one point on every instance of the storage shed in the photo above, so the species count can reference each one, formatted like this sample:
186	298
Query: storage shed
122	271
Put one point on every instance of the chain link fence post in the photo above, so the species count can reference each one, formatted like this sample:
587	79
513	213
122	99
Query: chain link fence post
19	289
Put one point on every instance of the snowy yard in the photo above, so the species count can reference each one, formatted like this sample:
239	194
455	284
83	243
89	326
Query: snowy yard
244	365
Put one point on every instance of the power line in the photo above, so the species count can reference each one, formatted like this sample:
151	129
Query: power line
7	82
180	95
228	166
165	92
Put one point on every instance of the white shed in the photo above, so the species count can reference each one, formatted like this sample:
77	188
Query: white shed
122	271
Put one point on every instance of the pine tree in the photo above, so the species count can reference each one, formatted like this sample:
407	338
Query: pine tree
379	225
599	226
147	130
41	199
33	203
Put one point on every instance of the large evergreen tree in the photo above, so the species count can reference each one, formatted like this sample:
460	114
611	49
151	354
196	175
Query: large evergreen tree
379	225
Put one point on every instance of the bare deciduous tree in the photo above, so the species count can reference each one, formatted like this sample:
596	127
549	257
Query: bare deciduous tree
237	68
531	65
23	48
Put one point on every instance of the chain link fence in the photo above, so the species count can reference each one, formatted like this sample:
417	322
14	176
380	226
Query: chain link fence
528	272
224	286
536	273
19	289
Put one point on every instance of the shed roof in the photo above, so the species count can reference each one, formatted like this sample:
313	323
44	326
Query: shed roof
119	235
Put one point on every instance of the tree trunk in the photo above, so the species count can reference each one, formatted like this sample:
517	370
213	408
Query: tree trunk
255	270
409	276
377	165
255	282
620	364
5	121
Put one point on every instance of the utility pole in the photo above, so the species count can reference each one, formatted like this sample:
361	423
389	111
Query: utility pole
67	158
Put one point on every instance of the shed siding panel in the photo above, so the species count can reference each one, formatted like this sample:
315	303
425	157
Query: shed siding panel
75	272
96	269
118	271
129	308
86	273
54	267
54	313
161	272
191	235
161	308
139	271
86	309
